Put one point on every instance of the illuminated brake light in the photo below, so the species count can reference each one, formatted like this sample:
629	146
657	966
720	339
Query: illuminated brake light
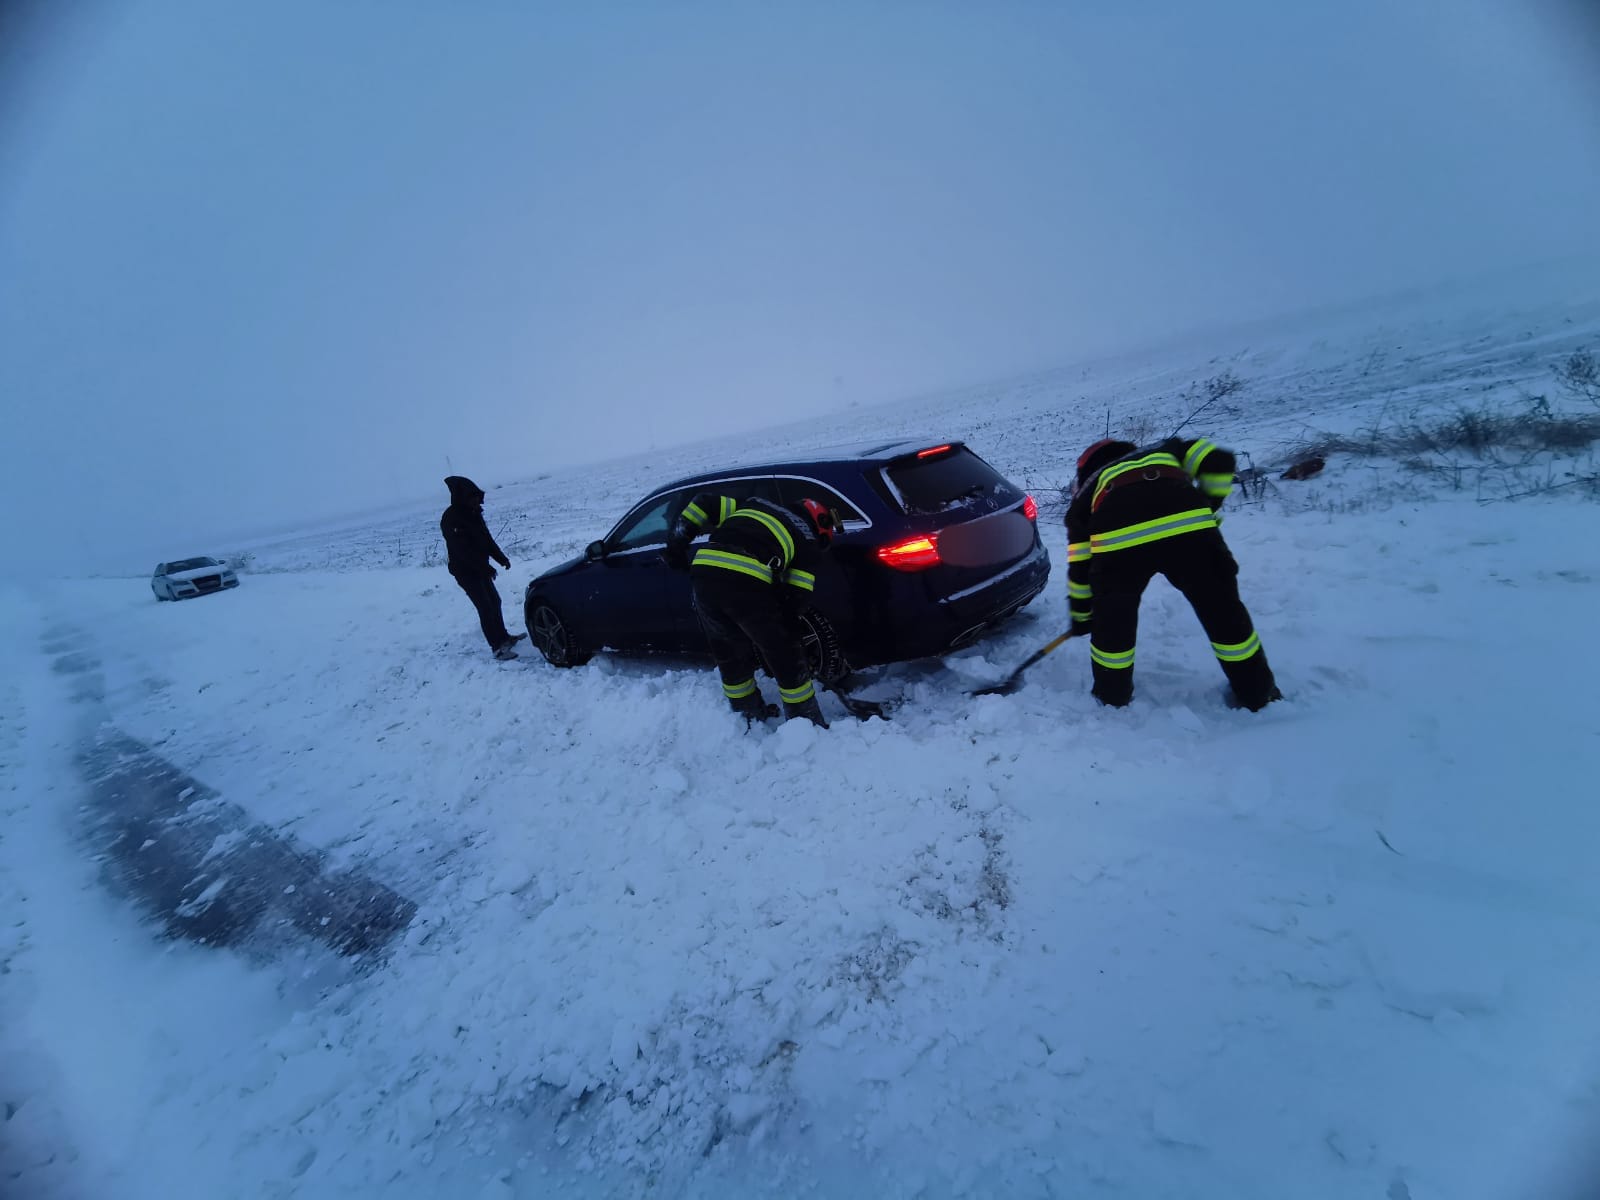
932	450
1029	508
914	554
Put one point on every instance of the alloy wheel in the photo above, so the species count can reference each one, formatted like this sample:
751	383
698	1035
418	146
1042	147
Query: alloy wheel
550	635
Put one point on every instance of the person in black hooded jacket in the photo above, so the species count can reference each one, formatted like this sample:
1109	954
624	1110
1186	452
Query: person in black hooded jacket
470	548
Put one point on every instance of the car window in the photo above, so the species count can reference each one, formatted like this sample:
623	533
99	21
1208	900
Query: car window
793	491
161	568
943	481
764	487
648	527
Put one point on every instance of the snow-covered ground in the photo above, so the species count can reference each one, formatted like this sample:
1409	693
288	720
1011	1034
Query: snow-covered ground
1010	946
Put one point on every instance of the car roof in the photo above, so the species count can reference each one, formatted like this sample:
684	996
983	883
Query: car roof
872	452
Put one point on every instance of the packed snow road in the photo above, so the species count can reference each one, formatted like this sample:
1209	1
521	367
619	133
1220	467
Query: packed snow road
1013	945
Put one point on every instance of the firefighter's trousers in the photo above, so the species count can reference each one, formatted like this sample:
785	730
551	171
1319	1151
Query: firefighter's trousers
743	617
1200	566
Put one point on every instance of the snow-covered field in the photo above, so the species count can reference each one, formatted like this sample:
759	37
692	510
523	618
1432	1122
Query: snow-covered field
1010	946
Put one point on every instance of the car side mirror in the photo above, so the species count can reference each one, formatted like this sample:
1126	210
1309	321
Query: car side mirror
595	551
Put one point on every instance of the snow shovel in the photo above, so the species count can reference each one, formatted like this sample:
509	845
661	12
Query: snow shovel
861	710
1010	683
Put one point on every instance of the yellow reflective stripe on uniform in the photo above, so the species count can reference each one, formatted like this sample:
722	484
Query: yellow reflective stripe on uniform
1079	591
728	506
1239	651
1116	660
804	580
1159	459
1153	531
738	691
797	695
1080	614
1077	551
1197	453
695	514
774	527
1219	484
708	557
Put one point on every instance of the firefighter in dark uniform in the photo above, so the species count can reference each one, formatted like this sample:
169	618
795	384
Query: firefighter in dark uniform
1138	513
750	581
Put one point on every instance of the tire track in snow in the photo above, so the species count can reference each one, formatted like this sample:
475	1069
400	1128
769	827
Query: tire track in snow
198	863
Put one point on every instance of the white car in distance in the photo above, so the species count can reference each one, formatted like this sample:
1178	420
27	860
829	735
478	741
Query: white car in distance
188	577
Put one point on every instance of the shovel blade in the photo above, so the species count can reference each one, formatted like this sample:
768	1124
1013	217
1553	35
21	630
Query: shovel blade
999	689
861	710
1009	685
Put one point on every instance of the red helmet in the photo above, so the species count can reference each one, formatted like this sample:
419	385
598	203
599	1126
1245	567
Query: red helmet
822	520
1100	453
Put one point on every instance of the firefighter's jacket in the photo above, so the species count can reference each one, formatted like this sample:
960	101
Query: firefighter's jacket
753	537
1158	492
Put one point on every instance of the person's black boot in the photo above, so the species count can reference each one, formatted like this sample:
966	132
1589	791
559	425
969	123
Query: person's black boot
808	709
753	708
1232	700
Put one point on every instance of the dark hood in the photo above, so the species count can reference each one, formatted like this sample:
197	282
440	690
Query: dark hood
463	490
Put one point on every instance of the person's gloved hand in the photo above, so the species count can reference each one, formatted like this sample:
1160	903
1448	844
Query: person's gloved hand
504	562
493	574
676	556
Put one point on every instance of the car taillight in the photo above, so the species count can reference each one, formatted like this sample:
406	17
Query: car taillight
1029	508
934	451
914	554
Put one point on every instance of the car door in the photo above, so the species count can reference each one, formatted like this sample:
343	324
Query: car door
638	603
838	595
634	597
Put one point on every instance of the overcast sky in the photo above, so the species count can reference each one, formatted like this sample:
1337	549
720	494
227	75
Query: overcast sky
261	263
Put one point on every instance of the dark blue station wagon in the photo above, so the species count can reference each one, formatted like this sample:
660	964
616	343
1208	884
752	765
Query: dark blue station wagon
935	547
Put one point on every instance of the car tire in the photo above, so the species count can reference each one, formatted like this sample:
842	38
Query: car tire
821	643
550	634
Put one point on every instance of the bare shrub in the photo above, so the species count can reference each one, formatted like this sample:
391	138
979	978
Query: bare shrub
1203	395
1140	429
1583	478
1579	376
1483	432
1254	483
1052	496
1499	453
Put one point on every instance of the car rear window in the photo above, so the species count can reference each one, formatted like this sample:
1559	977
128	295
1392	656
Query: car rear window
945	481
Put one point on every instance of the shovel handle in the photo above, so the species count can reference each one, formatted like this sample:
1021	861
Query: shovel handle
1012	679
1048	646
